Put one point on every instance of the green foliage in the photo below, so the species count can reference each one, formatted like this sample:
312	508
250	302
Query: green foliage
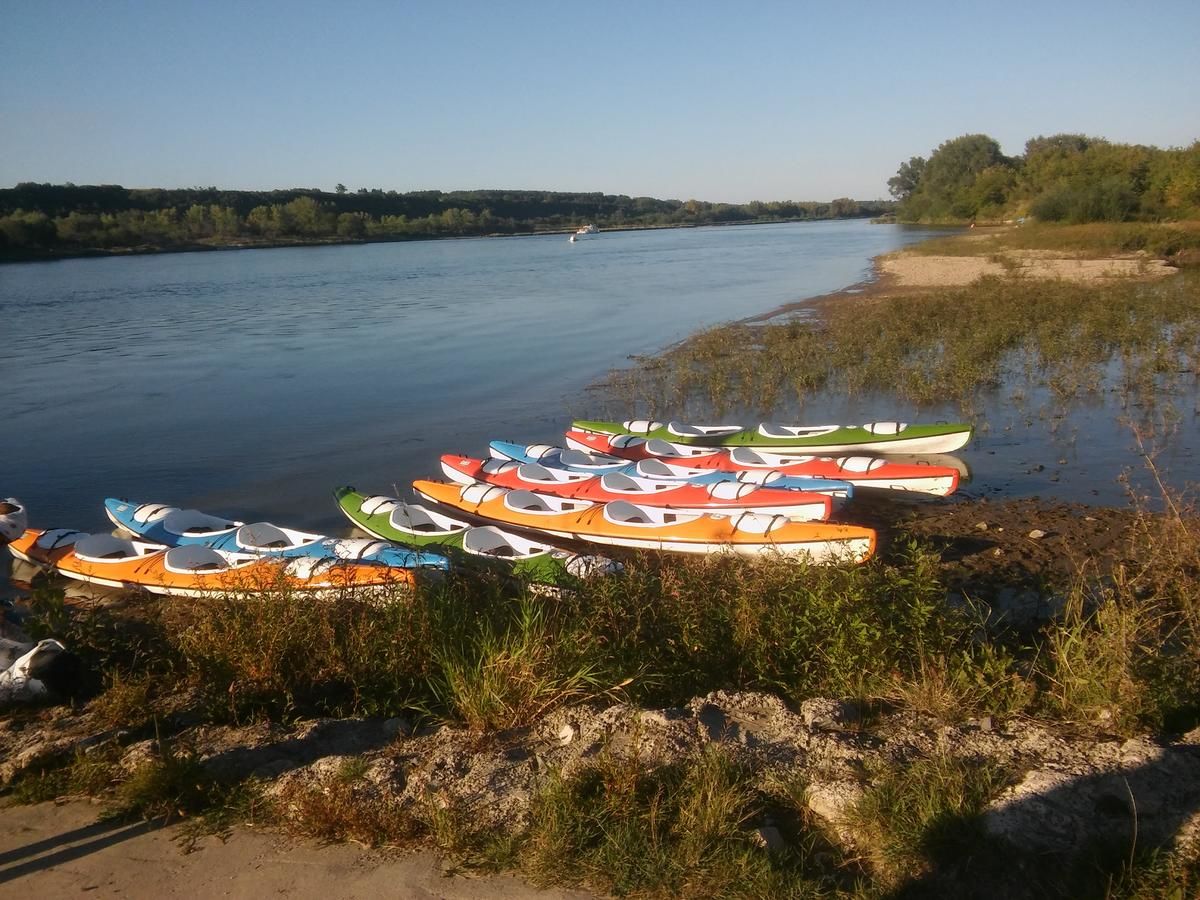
680	830
1061	178
43	219
923	813
944	344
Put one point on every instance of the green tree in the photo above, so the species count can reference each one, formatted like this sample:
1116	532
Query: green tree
907	177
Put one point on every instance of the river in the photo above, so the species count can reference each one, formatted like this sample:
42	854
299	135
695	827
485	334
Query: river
250	383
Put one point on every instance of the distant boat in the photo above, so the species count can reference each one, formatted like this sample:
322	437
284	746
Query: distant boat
583	232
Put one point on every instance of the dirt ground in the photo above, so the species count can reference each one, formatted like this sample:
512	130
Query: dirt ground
63	850
988	545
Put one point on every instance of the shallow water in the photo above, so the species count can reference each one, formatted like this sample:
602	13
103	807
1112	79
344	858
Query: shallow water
251	383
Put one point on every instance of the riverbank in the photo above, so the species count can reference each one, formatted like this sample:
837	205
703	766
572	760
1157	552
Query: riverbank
1002	704
8	255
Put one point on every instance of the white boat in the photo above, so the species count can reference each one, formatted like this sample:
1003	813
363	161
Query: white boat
583	232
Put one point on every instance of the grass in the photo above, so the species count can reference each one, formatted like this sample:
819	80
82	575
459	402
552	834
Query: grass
683	830
943	345
1095	239
923	815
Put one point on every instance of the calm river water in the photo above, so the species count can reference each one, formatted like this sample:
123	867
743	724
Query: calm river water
251	383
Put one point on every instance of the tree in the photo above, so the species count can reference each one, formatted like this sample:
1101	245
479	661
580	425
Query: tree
341	188
907	177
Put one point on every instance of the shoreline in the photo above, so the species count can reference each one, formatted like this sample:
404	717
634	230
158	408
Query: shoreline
334	241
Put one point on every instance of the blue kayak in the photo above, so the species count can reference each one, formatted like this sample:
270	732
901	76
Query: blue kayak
176	527
602	464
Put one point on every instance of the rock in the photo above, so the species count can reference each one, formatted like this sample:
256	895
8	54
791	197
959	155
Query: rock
829	715
831	800
1037	534
567	732
981	526
397	727
986	724
769	836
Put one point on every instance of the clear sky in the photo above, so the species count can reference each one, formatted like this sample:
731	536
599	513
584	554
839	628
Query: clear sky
722	101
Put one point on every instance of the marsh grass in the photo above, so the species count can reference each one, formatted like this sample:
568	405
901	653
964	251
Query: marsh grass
924	814
941	345
1094	239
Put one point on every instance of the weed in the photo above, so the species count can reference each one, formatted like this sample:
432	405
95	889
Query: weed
681	830
924	813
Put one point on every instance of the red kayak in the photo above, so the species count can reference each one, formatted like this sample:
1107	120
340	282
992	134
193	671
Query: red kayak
722	497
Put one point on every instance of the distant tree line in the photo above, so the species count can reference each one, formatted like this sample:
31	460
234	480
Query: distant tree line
1061	178
43	219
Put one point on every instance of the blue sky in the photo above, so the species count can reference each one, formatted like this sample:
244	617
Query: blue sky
717	101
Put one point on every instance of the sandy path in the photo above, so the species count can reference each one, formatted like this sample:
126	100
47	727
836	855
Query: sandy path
50	850
907	269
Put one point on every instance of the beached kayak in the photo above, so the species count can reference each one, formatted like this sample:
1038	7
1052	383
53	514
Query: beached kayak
600	463
626	524
394	520
174	527
194	570
13	520
653	456
873	437
678	495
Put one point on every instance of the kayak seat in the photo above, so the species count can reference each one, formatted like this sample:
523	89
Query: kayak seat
622	512
859	463
194	522
373	506
774	430
192	558
152	512
101	547
885	427
262	536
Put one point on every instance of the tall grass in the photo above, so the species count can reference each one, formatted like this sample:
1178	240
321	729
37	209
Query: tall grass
682	830
941	345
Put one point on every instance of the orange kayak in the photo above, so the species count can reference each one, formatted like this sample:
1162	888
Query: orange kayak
192	570
625	524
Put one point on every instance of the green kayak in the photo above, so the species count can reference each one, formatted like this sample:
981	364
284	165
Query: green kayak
472	546
873	437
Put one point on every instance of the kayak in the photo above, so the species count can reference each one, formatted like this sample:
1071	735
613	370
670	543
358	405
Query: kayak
193	570
625	524
873	437
13	521
653	455
175	527
394	520
578	460
681	496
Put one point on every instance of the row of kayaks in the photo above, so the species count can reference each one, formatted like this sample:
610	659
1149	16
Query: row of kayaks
636	485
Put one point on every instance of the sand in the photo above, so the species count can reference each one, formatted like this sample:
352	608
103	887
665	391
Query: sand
61	850
916	270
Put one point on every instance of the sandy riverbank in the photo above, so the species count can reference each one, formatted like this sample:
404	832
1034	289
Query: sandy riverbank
910	271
